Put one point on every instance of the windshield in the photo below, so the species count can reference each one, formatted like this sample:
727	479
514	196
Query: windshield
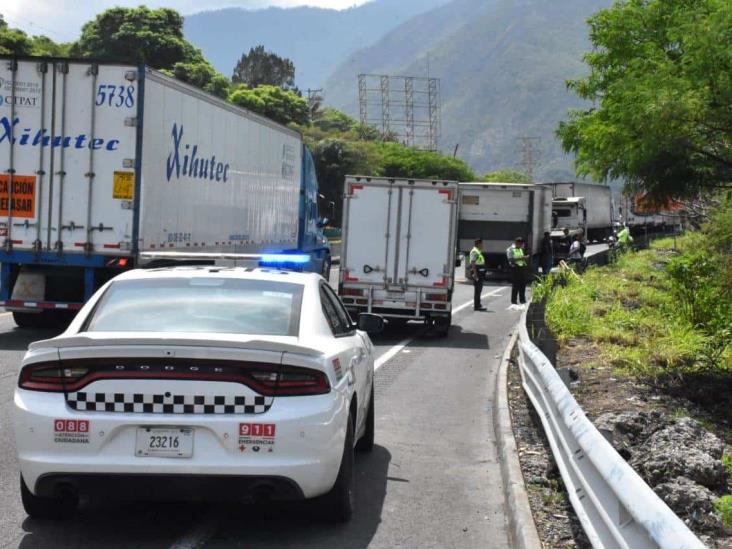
199	305
563	213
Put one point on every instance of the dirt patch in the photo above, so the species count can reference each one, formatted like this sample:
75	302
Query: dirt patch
555	519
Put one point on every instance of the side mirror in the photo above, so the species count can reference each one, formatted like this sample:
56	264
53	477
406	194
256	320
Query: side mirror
370	323
322	222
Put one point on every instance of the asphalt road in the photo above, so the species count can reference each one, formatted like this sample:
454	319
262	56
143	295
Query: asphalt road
433	479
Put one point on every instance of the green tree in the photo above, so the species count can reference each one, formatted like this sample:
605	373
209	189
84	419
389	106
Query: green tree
280	105
150	36
45	47
506	176
396	160
136	35
14	41
260	67
661	93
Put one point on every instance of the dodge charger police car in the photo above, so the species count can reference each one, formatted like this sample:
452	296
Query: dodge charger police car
177	382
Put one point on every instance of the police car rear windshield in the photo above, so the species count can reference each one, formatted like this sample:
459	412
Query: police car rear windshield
199	305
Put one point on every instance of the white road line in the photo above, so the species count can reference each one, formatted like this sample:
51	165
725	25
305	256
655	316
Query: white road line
396	349
5	314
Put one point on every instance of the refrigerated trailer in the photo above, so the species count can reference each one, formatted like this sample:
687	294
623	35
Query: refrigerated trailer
582	208
100	162
398	250
498	213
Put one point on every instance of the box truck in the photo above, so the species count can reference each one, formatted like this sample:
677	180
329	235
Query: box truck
398	249
498	213
101	162
582	208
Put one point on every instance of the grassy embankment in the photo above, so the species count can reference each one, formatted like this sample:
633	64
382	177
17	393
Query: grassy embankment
662	316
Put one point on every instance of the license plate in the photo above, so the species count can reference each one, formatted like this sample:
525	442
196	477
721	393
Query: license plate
170	442
395	295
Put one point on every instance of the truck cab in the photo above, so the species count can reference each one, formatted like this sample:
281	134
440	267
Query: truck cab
569	218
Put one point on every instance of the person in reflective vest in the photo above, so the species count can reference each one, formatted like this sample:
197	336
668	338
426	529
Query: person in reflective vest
477	273
519	264
624	238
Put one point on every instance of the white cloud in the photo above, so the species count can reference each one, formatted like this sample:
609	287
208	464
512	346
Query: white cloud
62	19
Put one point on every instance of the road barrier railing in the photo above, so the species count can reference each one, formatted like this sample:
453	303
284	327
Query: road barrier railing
614	505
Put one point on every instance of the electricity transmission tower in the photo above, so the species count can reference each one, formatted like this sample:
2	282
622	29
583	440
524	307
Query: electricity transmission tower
528	151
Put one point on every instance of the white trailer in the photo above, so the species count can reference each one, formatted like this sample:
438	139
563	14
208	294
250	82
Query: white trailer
498	213
101	162
585	207
398	251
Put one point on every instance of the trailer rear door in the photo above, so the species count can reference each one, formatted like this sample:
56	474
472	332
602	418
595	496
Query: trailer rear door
67	155
370	232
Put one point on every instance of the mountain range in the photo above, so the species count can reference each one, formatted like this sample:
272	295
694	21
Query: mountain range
503	64
316	39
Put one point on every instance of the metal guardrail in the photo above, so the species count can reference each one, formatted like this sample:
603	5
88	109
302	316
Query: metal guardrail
614	505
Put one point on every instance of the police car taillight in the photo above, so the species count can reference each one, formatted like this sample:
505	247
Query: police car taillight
292	381
49	376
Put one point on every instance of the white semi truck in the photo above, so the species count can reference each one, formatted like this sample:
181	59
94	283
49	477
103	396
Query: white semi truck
582	208
398	250
102	162
498	213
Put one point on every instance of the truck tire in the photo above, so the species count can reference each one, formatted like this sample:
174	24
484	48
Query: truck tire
327	263
443	325
28	321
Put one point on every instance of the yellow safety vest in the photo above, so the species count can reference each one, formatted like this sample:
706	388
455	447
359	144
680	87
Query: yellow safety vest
518	257
479	258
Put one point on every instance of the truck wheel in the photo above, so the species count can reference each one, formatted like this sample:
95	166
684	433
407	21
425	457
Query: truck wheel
338	504
327	263
366	442
443	325
47	508
28	320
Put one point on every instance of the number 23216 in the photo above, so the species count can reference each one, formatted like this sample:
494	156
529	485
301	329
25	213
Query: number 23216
111	95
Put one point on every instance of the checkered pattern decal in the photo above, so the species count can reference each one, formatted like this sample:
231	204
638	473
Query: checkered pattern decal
168	403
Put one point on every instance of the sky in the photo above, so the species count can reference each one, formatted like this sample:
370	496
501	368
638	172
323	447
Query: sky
61	20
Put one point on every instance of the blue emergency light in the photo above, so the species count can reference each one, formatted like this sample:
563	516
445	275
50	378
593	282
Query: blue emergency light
283	259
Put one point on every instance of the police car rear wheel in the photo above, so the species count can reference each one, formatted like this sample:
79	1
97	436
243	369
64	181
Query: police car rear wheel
337	505
47	508
366	442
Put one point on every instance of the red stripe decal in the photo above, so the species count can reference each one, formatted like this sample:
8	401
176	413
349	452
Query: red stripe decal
117	246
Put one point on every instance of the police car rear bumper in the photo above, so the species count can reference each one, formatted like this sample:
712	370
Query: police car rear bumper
166	487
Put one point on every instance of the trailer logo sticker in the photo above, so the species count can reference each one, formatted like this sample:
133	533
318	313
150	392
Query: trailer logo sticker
257	437
27	94
26	136
23	195
71	431
184	161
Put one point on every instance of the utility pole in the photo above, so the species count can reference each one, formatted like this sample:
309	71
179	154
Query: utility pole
528	149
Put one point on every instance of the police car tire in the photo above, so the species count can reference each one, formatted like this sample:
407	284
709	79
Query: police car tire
366	442
46	508
337	505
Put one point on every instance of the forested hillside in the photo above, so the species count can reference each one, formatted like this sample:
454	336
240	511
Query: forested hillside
503	65
317	40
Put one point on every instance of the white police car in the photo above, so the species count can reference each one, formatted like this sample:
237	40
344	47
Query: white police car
178	382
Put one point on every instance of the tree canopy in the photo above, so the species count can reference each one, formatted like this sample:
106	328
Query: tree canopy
506	176
16	42
280	105
262	68
660	84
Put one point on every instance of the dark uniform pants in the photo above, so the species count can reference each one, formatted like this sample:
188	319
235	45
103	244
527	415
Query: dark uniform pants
518	285
477	289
